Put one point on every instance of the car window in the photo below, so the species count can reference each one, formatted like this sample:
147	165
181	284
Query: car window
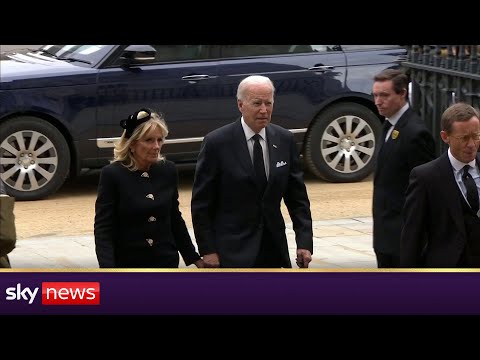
91	54
172	53
167	53
367	47
266	50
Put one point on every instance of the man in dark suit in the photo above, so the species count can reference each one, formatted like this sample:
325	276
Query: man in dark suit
405	143
243	172
441	214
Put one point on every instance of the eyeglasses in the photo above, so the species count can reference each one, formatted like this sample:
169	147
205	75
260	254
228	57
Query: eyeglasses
466	138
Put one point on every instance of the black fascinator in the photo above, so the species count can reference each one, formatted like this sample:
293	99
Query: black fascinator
133	121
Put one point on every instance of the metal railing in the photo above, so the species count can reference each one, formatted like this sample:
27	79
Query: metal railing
442	75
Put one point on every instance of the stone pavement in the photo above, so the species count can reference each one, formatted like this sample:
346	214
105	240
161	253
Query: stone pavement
340	243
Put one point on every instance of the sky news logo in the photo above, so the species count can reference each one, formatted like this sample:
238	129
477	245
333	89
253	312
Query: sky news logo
57	293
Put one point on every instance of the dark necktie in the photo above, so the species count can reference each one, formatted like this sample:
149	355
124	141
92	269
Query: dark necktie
386	126
258	164
472	193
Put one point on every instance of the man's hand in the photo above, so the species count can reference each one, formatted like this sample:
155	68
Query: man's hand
304	257
199	263
211	260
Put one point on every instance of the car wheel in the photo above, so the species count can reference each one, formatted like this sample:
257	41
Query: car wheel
340	145
34	158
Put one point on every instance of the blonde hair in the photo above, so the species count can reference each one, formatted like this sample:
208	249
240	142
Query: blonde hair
122	153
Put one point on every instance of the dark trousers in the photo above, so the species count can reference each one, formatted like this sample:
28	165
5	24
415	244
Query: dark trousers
467	260
4	262
387	260
269	255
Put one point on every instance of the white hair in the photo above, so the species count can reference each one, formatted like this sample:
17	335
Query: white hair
253	80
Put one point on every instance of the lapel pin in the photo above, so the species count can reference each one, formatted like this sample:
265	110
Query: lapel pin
275	146
395	134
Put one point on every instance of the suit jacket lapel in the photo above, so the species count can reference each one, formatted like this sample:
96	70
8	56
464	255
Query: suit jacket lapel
273	153
385	149
452	193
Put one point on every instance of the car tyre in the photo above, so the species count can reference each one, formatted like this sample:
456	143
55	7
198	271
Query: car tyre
340	146
34	157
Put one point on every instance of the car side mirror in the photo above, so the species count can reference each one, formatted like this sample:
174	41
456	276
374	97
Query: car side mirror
137	55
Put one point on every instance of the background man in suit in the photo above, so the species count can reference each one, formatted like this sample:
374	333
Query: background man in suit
236	211
441	216
405	143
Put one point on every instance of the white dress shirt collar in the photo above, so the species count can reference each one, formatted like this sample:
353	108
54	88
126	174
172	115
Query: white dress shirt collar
458	165
249	132
394	119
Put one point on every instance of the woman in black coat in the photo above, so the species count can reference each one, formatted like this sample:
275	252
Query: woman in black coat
138	223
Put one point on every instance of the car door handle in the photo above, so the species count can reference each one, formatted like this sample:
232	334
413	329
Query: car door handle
194	78
321	68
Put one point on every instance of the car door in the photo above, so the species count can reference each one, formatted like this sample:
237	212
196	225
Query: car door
304	76
181	84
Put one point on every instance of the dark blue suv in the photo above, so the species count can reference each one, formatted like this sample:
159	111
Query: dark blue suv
60	105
